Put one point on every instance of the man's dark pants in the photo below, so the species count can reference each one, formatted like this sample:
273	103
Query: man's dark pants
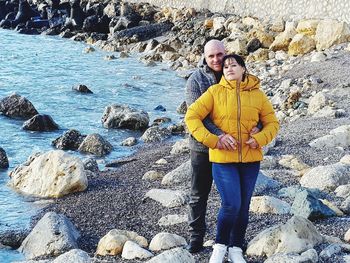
200	188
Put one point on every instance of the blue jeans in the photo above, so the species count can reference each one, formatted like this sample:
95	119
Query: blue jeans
235	183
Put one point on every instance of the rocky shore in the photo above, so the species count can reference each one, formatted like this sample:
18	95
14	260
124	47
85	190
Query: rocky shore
301	204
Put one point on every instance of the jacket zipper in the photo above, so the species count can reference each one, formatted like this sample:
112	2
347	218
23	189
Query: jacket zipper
238	123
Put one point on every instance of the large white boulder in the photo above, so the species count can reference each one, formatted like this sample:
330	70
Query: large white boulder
176	255
73	256
339	136
52	174
163	241
168	198
296	235
327	177
331	32
53	235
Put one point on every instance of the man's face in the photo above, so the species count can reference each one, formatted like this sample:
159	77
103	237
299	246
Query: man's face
213	56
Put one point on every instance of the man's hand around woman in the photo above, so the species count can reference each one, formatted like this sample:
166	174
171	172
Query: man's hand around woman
227	142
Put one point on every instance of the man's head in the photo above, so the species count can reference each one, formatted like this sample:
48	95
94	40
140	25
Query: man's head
214	51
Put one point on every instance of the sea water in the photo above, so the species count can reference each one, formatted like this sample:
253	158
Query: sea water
44	69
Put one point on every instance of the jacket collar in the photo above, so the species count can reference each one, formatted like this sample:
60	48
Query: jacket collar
251	82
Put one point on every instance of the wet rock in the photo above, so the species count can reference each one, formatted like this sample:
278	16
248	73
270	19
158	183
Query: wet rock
131	141
122	116
54	234
182	108
70	140
16	106
163	241
40	122
52	174
306	205
155	134
95	144
160	121
4	163
13	238
82	89
160	108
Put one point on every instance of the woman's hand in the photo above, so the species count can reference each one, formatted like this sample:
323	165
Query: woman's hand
226	142
252	143
254	131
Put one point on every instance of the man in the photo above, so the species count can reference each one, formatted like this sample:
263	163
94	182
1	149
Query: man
208	74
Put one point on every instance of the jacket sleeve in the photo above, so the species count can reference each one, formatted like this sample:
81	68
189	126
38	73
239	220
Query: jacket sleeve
269	121
193	92
195	114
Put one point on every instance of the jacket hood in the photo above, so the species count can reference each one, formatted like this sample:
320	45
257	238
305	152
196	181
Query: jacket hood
251	82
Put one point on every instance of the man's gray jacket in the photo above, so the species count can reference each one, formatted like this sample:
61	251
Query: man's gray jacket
200	80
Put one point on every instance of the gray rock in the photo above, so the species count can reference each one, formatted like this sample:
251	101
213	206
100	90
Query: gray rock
155	134
306	205
264	183
181	146
176	255
182	108
297	235
180	175
309	256
90	164
122	116
4	162
40	122
16	106
168	198
73	256
13	238
327	177
95	144
70	140
163	241
329	252
53	235
131	141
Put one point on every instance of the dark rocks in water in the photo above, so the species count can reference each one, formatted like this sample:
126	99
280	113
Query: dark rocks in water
77	15
144	32
160	108
13	238
98	36
96	24
28	31
16	106
25	13
40	122
4	162
182	108
82	89
5	23
70	140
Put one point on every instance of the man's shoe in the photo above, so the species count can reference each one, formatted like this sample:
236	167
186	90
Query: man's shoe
235	255
194	246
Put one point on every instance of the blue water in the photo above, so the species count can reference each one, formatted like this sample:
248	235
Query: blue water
43	69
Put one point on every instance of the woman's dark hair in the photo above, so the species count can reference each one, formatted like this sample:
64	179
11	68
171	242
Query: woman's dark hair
239	61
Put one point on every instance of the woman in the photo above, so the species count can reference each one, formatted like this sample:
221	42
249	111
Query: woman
235	105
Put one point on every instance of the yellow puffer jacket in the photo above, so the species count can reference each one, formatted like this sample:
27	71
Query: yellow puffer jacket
235	110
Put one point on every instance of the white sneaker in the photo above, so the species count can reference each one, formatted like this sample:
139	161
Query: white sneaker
218	254
235	255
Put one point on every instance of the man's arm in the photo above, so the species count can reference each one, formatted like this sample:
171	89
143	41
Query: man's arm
192	93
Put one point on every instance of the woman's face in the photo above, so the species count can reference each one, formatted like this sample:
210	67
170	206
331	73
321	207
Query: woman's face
232	70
